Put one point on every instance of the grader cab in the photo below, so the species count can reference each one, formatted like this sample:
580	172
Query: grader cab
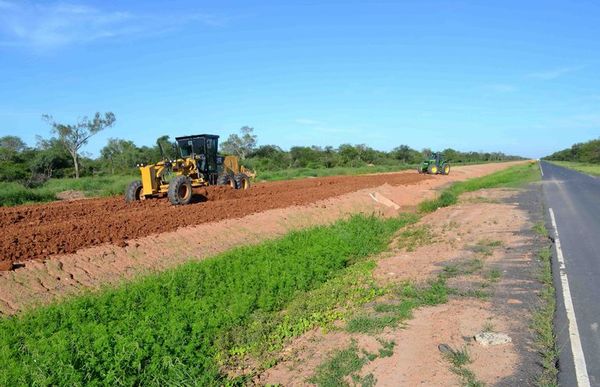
198	164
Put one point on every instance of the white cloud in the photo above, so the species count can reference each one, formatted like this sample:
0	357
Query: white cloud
554	73
45	26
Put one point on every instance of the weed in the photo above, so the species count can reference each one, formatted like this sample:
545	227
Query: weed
494	275
389	315
341	364
387	348
465	267
166	328
348	362
470	293
540	229
366	381
414	237
543	323
485	247
488	326
458	360
514	176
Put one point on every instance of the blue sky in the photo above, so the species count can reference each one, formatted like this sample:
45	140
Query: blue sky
514	76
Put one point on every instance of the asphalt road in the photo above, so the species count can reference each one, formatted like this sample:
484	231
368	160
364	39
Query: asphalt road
575	201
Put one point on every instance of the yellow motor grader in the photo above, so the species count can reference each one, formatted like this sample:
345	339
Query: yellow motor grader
198	165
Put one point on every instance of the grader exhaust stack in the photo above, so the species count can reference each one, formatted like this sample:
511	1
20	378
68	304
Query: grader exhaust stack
197	165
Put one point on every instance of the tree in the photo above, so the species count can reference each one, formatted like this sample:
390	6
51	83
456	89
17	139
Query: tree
73	137
50	158
240	145
11	145
121	155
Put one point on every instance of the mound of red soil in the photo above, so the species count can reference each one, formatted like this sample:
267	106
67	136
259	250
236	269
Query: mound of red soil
43	230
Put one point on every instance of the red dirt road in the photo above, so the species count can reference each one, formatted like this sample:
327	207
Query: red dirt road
40	231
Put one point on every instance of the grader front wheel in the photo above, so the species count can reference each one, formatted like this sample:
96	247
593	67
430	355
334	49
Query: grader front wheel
180	190
133	191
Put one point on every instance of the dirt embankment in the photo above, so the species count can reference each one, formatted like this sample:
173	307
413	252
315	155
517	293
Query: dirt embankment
39	231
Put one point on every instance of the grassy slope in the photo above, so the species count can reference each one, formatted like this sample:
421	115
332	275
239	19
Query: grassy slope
591	169
184	325
163	328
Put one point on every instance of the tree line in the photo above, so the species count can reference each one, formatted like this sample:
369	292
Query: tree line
586	152
61	155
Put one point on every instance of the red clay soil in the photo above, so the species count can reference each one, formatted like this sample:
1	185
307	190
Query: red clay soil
42	230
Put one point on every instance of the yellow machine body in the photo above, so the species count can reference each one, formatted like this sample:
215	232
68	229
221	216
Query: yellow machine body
198	165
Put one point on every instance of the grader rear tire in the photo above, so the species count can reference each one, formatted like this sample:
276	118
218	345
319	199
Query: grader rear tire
225	179
180	190
242	181
133	192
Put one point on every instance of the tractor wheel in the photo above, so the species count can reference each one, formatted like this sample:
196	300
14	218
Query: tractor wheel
133	191
432	170
180	190
446	169
242	181
225	179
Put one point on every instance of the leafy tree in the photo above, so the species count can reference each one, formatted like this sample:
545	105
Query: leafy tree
12	162
120	155
240	145
50	158
587	152
10	146
75	136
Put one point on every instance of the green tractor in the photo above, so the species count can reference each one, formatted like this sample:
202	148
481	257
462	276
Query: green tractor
435	165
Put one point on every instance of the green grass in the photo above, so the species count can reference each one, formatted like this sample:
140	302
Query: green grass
459	359
342	363
298	173
409	297
12	194
414	237
514	176
167	328
543	323
591	169
346	363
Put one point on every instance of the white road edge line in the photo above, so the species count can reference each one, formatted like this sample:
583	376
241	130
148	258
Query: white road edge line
581	374
541	170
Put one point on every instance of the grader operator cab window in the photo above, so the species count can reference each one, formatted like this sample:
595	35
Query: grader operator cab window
193	146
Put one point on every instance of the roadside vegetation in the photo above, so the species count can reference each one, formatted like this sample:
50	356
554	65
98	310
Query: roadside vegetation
30	174
543	318
180	326
510	177
215	321
586	153
589	168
